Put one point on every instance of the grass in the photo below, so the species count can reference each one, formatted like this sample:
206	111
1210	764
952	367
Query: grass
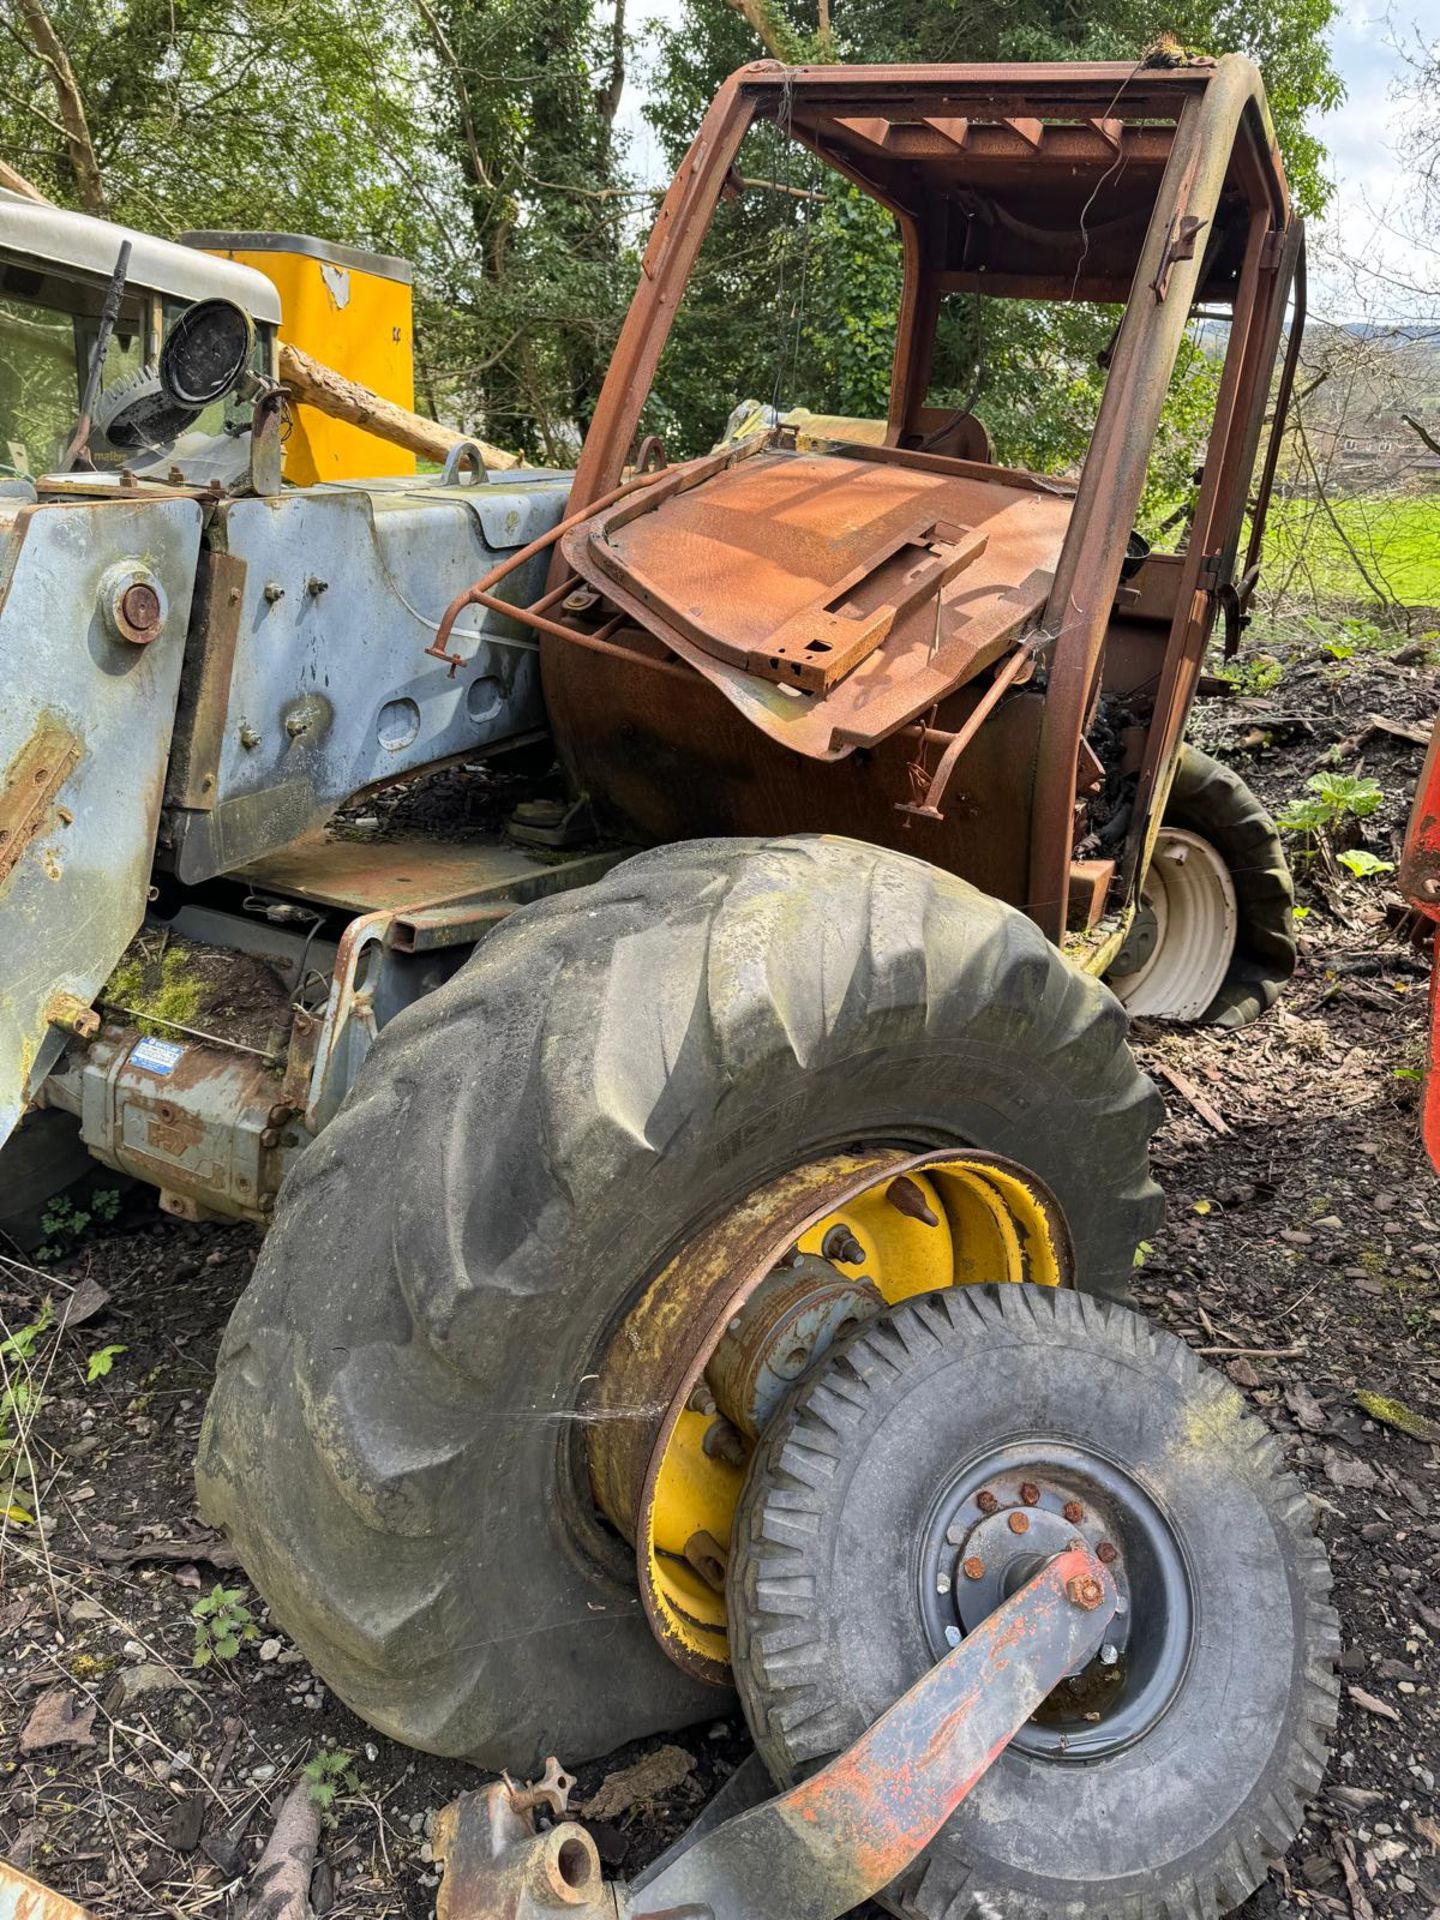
1397	538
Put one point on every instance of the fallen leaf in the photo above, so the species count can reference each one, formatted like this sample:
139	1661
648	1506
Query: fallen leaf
133	1683
1243	1374
1341	1471
654	1773
83	1304
1307	1410
56	1723
14	1615
1371	1705
1428	1830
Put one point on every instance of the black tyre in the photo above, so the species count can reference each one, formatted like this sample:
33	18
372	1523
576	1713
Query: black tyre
392	1439
1212	800
858	1540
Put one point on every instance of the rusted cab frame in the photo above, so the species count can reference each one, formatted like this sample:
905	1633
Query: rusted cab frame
1203	130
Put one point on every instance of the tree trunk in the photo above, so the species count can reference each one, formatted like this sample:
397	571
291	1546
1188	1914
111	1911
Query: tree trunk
78	144
329	392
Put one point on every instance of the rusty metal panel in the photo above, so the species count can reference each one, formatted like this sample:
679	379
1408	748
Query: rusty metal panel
91	710
406	875
22	1898
724	567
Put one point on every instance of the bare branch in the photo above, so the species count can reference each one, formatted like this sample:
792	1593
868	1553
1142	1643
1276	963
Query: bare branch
79	147
17	183
479	173
1415	427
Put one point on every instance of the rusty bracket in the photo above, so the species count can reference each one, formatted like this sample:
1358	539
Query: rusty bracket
1014	669
829	1843
1184	236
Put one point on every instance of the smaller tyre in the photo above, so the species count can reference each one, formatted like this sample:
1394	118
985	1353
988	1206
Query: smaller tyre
910	1485
1215	937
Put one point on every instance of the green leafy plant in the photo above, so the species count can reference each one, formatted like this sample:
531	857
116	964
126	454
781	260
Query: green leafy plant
223	1624
1258	675
1330	803
100	1363
1142	1253
325	1775
64	1224
1362	863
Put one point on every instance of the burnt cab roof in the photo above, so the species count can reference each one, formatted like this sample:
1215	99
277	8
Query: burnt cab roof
1023	180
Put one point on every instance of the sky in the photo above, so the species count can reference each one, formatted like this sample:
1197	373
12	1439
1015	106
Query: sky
1365	140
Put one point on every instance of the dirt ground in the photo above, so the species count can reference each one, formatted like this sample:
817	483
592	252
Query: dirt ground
1300	1253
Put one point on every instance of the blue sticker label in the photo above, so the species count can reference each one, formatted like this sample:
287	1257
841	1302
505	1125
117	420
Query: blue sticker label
155	1056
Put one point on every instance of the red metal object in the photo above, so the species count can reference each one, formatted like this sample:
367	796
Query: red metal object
1420	882
838	1837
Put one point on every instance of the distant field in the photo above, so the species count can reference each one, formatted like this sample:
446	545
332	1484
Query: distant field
1398	539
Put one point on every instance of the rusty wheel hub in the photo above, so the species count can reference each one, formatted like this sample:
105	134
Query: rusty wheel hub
1001	1519
707	1353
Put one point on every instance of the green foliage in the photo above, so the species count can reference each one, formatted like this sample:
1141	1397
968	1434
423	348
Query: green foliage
324	1776
1333	798
223	1624
65	1225
1362	863
100	1363
1257	675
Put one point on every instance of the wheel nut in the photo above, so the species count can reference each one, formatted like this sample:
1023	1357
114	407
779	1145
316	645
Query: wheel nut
974	1568
1019	1523
986	1501
1107	1552
1084	1591
1029	1492
1074	1512
1109	1654
954	1533
952	1636
840	1244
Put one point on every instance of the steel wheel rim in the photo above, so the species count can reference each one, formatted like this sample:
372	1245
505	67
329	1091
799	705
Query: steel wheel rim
970	1559
1189	890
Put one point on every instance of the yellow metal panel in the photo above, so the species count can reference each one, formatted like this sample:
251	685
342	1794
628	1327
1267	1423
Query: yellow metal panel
361	324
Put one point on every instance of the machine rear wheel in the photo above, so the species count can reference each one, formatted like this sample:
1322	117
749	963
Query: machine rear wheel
397	1440
913	1482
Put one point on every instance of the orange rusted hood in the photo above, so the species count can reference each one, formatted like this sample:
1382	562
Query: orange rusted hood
831	596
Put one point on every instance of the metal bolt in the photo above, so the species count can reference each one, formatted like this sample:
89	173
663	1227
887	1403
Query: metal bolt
1029	1493
270	1137
296	724
1109	1654
249	738
974	1568
315	586
907	1198
1107	1552
952	1636
1122	1605
278	1114
1074	1512
954	1533
1019	1523
140	607
273	592
986	1501
942	1583
1084	1591
841	1245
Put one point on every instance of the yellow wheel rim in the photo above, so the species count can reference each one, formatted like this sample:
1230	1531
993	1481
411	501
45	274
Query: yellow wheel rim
992	1223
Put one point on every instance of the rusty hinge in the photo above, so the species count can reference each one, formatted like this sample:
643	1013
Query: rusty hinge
34	777
1272	250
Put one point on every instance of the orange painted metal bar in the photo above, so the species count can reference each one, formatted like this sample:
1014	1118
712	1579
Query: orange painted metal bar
1420	883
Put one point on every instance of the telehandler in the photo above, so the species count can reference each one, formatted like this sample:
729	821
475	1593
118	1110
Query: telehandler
699	1267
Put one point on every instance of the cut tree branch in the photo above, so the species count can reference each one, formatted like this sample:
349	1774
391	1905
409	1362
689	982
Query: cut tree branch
321	387
1415	427
17	183
79	147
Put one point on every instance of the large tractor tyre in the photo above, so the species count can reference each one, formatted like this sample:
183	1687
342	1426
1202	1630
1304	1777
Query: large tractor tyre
909	1485
395	1440
1215	941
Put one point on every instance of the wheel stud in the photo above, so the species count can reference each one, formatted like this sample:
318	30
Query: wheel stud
986	1501
1107	1552
974	1568
841	1245
942	1583
1019	1523
1109	1654
952	1636
1073	1512
1029	1493
954	1534
1084	1591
